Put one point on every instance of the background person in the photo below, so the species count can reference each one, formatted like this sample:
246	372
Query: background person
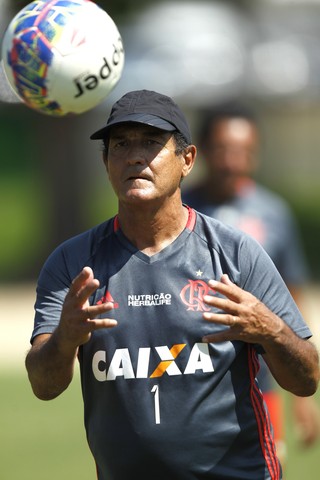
163	308
229	145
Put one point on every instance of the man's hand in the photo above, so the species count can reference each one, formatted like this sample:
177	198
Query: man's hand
307	419
50	361
78	318
248	319
293	361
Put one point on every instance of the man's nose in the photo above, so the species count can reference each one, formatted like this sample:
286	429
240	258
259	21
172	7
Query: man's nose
137	154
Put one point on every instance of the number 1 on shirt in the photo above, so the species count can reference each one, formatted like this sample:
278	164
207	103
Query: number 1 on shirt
155	390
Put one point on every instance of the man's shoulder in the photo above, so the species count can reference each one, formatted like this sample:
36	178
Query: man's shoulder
217	233
95	234
82	247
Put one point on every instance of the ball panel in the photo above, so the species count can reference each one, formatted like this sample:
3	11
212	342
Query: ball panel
63	56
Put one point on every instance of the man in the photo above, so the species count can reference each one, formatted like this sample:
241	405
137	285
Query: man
229	143
163	308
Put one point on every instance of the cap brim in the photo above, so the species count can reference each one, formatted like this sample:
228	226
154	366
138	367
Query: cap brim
7	93
142	118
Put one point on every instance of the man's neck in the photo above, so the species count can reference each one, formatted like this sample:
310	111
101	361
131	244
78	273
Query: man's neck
152	229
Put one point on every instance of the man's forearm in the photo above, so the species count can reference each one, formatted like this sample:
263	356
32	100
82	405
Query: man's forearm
294	363
50	368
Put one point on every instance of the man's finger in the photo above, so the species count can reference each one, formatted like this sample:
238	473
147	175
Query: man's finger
83	285
98	324
224	304
84	276
229	289
218	337
94	311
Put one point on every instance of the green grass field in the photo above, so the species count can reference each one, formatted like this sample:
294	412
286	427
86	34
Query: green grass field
46	440
42	440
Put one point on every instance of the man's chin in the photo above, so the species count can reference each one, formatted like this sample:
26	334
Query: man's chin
138	195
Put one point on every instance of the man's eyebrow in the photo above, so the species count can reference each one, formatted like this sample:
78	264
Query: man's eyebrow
157	133
116	135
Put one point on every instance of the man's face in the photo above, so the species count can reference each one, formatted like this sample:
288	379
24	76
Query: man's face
230	153
142	163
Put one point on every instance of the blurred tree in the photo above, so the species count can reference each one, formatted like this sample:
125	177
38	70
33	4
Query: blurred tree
64	172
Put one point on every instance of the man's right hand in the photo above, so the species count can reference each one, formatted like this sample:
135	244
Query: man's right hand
79	319
50	361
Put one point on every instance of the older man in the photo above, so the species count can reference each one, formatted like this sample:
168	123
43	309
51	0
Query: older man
166	310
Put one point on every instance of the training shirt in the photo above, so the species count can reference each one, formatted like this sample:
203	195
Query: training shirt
265	216
159	403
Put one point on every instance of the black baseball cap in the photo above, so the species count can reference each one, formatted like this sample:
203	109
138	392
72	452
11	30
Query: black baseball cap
149	108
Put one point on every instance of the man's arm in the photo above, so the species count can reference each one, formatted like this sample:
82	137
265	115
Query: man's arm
293	362
50	370
50	361
306	412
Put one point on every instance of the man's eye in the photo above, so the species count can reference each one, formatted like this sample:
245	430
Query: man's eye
151	141
118	145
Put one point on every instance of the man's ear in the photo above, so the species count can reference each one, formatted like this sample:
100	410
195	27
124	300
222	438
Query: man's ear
189	158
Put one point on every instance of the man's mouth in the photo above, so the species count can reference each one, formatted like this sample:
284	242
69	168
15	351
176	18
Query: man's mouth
138	176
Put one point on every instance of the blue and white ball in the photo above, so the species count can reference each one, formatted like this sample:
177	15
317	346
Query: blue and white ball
62	56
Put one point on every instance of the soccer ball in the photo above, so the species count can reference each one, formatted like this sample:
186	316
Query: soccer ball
62	56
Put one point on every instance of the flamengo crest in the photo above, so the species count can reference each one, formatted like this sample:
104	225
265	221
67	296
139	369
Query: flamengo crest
192	295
